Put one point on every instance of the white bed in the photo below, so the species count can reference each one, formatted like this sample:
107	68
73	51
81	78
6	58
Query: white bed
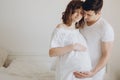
28	68
38	76
6	76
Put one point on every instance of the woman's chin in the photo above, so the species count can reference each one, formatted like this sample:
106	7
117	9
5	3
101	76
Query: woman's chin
77	20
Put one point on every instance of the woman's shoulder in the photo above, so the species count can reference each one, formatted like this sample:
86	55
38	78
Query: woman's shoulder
60	28
61	25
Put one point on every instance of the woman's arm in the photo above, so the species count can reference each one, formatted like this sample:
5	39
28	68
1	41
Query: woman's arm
59	51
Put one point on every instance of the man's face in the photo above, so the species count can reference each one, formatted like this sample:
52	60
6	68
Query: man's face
90	16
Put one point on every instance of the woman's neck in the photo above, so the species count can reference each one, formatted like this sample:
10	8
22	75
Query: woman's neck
72	26
73	23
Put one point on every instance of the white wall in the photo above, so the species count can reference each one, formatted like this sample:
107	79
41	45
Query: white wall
26	26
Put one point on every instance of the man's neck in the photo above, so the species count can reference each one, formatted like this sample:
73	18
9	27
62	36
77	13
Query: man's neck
93	22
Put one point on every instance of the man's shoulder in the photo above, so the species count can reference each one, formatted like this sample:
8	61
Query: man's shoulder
104	24
106	27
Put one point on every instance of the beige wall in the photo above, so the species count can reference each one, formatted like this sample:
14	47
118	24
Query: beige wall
111	12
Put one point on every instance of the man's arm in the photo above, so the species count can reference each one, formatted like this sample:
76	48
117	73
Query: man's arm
106	50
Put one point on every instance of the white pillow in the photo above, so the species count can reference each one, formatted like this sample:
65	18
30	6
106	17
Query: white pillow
28	67
3	56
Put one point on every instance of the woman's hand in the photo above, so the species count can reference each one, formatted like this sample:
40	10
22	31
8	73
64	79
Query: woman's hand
79	47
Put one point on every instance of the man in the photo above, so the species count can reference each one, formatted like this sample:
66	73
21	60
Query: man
100	36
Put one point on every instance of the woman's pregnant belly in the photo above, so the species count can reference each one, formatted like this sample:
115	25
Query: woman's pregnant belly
77	61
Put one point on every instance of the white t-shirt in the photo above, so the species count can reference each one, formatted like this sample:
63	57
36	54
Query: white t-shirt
101	31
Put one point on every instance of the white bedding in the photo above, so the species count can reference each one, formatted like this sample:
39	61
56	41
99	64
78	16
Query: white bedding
4	75
25	69
10	76
13	77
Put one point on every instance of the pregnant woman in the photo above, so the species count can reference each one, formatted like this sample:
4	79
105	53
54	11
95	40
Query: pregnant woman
68	45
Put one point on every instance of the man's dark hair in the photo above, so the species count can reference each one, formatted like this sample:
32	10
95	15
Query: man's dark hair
94	5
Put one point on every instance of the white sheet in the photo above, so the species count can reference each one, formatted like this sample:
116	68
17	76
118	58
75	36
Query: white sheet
4	75
7	76
26	70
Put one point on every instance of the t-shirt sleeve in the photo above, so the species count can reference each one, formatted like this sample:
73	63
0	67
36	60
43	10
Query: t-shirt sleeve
108	34
56	39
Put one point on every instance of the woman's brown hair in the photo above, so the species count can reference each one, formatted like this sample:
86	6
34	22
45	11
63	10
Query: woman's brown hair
70	9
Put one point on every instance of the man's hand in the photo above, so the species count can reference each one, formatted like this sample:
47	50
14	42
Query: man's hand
83	74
